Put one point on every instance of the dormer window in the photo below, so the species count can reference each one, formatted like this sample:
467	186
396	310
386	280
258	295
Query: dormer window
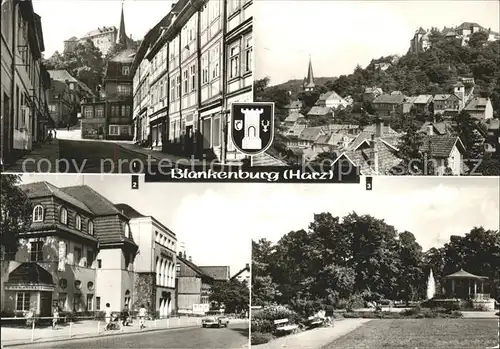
91	228
78	223
38	213
125	70
63	216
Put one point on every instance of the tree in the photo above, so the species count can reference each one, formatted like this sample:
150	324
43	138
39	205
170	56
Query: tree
411	274
16	212
410	146
234	295
478	39
467	130
264	290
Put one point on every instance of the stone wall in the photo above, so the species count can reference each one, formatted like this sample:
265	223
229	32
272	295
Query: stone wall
145	291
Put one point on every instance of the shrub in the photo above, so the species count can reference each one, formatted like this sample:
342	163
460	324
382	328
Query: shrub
276	313
351	315
262	325
412	311
260	338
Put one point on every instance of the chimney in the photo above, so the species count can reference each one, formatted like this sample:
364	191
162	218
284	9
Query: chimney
185	256
190	259
374	154
173	5
180	254
379	128
430	130
247	266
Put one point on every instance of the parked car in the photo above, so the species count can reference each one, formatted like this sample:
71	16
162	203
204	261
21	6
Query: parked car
214	319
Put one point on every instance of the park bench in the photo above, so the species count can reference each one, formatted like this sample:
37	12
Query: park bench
314	321
283	326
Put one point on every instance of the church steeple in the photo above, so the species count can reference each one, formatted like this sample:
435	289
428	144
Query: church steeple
309	81
121	38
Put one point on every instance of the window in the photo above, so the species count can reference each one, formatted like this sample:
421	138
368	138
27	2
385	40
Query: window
97	303
124	90
36	253
90	258
90	302
63	299
204	18
90	286
77	255
63	283
126	230
172	89
99	263
63	216
178	86
52	107
23	301
91	228
185	88
77	301
204	67
161	88
126	110
125	70
178	267
71	86
214	61
115	110
248	54
38	213
233	6
87	111
78	222
114	130
215	9
127	298
99	112
192	70
234	62
6	19
78	284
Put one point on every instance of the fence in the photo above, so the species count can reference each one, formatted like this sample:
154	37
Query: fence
18	330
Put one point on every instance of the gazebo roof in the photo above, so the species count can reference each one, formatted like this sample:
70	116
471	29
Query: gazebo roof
462	274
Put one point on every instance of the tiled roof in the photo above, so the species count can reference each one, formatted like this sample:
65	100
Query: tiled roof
44	189
462	274
364	158
319	111
468	25
323	139
124	56
294	105
73	38
423	99
296	129
477	104
441	128
292	117
99	31
97	203
129	211
219	273
442	97
61	75
265	159
311	133
390	99
193	266
329	95
30	272
440	146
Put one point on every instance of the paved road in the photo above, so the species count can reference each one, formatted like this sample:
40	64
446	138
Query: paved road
233	337
99	157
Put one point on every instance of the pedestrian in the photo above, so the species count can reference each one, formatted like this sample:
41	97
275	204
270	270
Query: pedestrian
142	316
55	317
67	126
125	315
107	316
55	133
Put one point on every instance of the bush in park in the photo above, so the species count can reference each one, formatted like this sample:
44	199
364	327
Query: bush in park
260	338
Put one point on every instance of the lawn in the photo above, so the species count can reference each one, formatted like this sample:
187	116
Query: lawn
420	334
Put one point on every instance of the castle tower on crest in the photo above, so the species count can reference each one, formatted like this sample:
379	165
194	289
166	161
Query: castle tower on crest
309	81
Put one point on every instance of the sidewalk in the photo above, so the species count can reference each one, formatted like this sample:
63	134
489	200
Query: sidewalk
480	314
316	338
12	336
42	159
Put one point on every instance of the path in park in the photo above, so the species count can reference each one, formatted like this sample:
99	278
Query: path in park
317	338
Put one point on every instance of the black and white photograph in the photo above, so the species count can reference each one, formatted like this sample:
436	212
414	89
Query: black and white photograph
412	263
396	87
88	86
88	262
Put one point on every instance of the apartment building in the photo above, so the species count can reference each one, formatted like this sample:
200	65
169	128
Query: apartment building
190	92
24	82
155	264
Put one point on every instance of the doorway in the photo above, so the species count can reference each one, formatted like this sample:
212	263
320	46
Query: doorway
189	145
45	303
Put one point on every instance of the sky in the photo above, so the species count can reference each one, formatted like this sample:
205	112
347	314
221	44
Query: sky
62	19
210	232
217	220
338	35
